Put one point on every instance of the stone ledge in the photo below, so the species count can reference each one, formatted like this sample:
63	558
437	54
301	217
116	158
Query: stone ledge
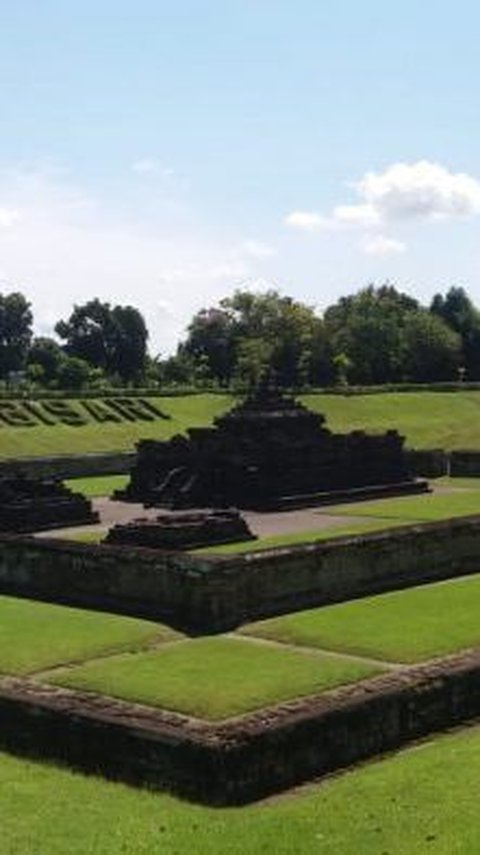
246	758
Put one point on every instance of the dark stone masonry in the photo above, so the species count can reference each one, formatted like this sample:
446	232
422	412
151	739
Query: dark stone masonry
32	504
270	452
183	530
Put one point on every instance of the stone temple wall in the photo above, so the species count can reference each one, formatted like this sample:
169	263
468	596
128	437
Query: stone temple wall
211	594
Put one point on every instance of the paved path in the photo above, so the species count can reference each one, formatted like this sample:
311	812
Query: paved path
263	525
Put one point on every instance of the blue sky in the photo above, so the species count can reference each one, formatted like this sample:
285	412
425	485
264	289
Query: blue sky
165	153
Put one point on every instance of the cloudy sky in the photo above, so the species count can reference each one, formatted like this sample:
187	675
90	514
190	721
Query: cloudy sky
163	154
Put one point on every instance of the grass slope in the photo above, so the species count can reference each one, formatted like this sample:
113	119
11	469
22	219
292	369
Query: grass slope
423	800
36	635
403	626
41	441
214	677
427	420
100	485
426	508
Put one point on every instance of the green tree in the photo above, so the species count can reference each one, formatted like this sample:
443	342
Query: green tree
74	373
113	339
458	311
47	354
368	328
249	330
15	332
433	351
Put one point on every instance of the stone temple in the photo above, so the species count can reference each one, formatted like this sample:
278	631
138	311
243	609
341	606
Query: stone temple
32	504
268	453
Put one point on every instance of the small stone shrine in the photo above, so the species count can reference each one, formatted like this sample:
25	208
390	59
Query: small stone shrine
34	504
182	530
268	453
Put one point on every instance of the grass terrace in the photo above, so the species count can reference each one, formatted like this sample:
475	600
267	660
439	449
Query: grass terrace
97	486
35	636
456	497
424	799
427	419
403	626
214	678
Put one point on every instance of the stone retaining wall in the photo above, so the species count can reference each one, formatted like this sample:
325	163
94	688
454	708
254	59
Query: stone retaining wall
204	594
246	758
70	466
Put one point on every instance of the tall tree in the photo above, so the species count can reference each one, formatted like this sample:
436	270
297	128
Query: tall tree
250	330
458	311
384	336
368	328
114	339
15	332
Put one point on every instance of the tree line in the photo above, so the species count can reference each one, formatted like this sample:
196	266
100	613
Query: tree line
377	335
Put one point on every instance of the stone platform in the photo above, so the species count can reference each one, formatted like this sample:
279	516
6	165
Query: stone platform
33	504
182	530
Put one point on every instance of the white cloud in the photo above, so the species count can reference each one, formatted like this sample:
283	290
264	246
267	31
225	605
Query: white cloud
258	249
355	215
308	221
401	193
381	245
63	246
8	217
420	190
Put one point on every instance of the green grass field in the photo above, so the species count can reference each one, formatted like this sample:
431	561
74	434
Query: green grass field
462	499
422	800
298	537
427	419
214	678
35	635
423	508
99	485
185	412
402	626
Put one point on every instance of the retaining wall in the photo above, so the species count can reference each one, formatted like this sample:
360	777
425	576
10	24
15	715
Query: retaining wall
247	758
215	593
70	466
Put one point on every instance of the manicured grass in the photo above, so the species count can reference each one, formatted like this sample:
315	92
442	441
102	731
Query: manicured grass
297	537
214	677
427	419
458	483
464	499
403	626
84	536
422	800
100	485
37	635
427	507
40	441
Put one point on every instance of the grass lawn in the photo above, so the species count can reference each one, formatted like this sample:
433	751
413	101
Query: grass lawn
214	677
385	514
100	485
298	537
426	508
427	419
185	412
402	626
422	800
37	635
83	536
